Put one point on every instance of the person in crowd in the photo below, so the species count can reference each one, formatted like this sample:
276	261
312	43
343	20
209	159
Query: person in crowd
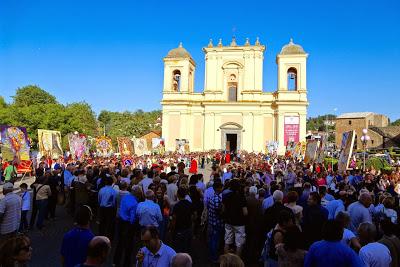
230	260
181	224
75	242
390	240
154	253
349	238
372	253
10	172
331	252
358	211
269	201
10	212
290	252
297	210
337	205
149	212
181	260
285	219
146	178
107	212
41	194
215	221
271	214
126	228
254	241
314	219
16	252
97	252
25	207
235	213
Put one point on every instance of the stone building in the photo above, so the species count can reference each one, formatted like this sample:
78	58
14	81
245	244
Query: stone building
382	135
233	112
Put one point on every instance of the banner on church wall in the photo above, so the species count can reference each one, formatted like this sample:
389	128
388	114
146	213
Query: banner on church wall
346	150
14	143
50	143
291	129
125	146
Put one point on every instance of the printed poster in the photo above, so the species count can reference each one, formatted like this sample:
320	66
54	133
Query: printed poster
50	143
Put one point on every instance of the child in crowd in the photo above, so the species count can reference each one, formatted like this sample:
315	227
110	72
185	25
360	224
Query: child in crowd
25	207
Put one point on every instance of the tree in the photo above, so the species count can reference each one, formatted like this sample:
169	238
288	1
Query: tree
396	123
31	95
3	103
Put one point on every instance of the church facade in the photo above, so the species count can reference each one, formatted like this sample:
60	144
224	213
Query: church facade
234	112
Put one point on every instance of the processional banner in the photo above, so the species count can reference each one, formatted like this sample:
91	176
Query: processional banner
182	146
158	145
125	147
311	151
14	143
140	146
50	143
346	150
104	146
272	147
77	145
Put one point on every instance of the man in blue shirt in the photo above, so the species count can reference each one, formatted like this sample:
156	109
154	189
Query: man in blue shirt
154	253
126	228
107	202
359	212
75	242
330	252
337	205
148	212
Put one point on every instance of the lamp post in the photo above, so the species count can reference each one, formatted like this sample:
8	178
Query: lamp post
364	140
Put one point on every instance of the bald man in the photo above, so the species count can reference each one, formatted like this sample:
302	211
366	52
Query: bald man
98	250
359	212
182	260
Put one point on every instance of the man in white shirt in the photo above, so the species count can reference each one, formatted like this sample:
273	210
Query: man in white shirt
10	211
372	254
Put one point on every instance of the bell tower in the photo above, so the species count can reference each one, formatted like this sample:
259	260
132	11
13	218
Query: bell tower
179	68
292	67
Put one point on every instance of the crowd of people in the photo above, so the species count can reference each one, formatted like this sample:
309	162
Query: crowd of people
251	210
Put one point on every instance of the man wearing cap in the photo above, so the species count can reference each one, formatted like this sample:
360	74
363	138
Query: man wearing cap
10	212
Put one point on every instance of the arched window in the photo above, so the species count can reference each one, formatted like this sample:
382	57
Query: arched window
176	80
232	88
292	79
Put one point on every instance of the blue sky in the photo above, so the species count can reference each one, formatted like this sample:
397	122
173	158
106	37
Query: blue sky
109	53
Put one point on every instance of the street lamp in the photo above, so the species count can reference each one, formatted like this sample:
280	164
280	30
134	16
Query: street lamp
364	140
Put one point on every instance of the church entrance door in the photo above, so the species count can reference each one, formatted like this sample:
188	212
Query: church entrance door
231	135
231	142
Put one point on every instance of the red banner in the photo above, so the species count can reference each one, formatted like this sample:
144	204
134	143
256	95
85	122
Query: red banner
291	129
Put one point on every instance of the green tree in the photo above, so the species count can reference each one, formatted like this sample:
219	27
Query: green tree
3	103
31	95
396	123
